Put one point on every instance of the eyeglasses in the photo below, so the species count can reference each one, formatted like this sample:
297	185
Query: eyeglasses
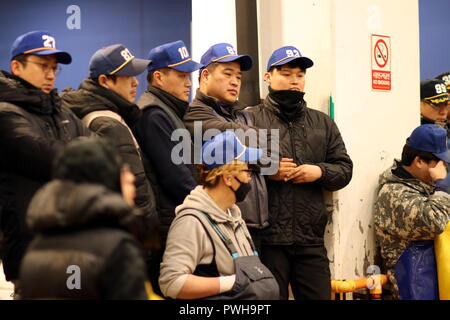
46	68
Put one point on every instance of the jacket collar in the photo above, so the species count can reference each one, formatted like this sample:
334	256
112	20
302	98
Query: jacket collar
220	108
19	92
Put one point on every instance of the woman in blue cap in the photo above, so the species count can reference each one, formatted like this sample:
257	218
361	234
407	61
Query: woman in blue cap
209	251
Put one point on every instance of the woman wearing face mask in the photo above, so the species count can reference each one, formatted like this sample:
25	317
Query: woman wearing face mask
209	251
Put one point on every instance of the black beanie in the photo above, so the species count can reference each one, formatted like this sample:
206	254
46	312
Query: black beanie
91	160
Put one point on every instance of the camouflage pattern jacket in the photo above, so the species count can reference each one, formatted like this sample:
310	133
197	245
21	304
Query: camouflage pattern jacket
407	210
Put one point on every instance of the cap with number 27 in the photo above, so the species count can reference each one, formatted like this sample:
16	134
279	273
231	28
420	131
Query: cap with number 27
287	54
39	43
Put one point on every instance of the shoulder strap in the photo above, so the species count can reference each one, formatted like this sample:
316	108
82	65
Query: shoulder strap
87	120
207	233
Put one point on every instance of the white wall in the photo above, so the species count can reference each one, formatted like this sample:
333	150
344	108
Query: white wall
336	35
213	21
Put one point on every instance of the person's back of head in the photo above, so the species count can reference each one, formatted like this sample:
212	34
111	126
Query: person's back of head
90	160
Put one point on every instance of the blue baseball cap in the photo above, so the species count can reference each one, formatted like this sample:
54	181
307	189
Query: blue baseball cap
40	43
225	52
287	54
116	60
172	55
430	138
226	147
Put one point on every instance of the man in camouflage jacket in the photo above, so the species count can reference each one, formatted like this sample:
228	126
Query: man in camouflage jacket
413	203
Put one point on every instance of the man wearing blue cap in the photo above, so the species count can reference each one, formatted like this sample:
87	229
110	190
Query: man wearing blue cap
216	107
313	158
412	202
34	128
105	103
163	106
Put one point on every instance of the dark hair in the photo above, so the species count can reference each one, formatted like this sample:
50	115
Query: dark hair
211	67
150	74
22	58
409	154
92	160
292	65
112	77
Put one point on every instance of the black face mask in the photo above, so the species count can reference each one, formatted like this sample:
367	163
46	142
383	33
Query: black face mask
242	191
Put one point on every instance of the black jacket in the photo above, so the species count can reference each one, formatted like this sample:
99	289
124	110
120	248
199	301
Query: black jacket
161	115
92	97
82	230
213	115
34	128
297	213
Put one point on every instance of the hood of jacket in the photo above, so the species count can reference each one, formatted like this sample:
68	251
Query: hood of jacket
199	200
21	93
91	97
388	177
64	205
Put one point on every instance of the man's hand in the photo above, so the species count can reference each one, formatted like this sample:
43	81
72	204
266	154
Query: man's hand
286	165
438	172
304	173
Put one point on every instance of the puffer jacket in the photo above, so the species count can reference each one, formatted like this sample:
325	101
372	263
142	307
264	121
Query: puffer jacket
115	121
82	228
213	115
34	128
297	212
189	244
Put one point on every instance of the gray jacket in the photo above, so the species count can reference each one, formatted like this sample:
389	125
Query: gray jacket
188	244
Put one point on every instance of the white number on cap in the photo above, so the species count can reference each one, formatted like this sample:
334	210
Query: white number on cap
231	50
292	53
440	88
49	42
183	52
446	79
126	54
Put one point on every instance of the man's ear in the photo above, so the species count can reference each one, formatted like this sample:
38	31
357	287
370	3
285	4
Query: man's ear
419	162
103	81
267	77
205	74
157	78
16	68
227	179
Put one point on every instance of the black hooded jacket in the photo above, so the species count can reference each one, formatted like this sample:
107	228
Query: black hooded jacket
297	212
84	228
34	128
91	97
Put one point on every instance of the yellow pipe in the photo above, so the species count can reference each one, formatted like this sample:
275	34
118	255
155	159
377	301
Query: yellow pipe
375	282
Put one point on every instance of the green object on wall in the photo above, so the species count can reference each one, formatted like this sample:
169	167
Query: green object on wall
331	108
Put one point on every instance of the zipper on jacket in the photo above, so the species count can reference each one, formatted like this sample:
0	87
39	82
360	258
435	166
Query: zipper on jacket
291	131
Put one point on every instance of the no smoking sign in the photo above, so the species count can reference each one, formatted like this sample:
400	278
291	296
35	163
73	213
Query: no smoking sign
381	62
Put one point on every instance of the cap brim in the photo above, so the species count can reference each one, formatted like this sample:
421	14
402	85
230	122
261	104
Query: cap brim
133	68
303	62
250	155
244	60
61	56
444	156
188	66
